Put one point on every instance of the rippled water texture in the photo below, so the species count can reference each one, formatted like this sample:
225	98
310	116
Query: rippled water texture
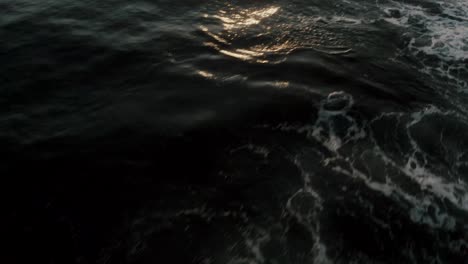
234	131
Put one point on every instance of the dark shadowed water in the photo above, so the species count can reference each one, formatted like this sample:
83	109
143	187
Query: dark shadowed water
234	132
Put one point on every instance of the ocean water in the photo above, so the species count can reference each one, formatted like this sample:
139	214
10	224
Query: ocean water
234	132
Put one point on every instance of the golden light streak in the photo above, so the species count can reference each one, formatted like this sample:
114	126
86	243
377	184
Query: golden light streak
245	18
233	23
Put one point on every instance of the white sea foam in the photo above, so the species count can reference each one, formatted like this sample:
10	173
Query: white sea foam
443	34
438	40
346	152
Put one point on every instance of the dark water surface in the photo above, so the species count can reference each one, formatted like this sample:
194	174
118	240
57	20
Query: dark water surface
234	132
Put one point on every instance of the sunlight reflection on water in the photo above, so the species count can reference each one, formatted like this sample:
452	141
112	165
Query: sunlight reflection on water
235	22
265	35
